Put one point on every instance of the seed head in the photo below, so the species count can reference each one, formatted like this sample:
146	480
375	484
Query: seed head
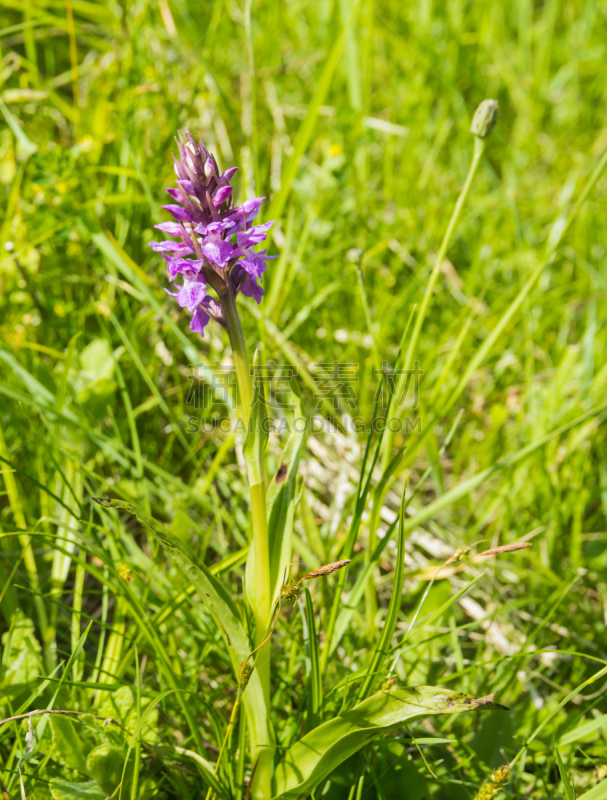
327	569
291	591
246	670
484	118
493	786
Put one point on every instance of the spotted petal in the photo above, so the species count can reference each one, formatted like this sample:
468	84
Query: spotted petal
191	294
218	252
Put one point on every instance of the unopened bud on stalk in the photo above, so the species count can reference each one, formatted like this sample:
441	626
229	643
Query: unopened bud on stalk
484	118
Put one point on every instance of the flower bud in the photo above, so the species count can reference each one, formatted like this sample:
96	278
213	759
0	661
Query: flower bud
209	168
484	118
355	255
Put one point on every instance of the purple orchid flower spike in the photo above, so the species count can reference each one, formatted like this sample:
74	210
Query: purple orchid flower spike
215	247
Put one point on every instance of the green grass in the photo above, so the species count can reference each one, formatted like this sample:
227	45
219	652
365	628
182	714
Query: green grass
353	119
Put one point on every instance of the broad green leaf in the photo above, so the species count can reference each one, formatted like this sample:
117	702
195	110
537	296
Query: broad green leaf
493	737
67	790
104	764
69	748
316	755
121	705
598	792
221	607
405	776
97	362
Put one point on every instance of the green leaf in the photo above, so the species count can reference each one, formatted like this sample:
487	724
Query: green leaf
69	748
598	792
569	790
281	499
207	770
121	705
27	147
312	664
280	507
316	755
221	607
492	738
104	764
583	731
66	790
402	779
97	362
254	446
40	728
21	663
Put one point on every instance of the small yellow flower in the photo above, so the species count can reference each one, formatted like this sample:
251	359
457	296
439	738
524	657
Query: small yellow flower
125	573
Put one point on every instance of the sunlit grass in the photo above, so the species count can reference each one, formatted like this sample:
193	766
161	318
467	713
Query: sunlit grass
354	121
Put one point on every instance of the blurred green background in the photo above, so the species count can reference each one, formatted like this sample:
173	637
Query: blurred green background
352	118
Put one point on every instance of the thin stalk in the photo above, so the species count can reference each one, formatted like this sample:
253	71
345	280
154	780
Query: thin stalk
211	793
263	606
479	146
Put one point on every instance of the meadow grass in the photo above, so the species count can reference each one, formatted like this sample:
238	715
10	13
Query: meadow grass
353	118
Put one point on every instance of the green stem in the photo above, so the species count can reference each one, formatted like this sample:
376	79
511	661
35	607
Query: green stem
239	351
259	593
479	146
